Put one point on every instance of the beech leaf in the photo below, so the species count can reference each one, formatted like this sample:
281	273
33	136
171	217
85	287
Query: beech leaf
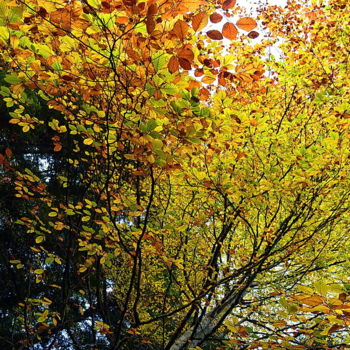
229	31
215	17
181	29
214	34
199	21
246	23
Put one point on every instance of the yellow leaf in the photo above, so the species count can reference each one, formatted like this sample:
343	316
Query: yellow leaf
39	239
4	33
52	214
39	271
88	141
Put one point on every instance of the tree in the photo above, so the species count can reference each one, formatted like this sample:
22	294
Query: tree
172	188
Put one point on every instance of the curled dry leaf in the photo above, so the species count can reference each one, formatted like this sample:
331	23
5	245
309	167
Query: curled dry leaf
246	23
214	34
199	21
229	31
253	34
215	17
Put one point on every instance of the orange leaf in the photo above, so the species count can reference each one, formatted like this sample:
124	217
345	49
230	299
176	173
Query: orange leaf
208	80
57	147
198	72
122	20
215	17
173	64
199	21
194	84
8	153
313	300
228	4
229	31
180	29
204	94
246	23
214	34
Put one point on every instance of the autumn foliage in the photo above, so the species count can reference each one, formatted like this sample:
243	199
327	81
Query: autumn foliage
175	175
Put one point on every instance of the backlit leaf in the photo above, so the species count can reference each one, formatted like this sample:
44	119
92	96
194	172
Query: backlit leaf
246	23
229	31
199	21
181	29
88	141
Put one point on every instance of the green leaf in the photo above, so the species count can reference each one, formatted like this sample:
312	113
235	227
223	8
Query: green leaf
159	59
170	89
12	79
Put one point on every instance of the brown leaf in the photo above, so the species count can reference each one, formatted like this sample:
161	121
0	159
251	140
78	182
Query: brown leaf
67	77
199	21
62	17
152	9
150	24
186	53
334	328
215	17
229	31
185	64
181	29
173	64
253	35
214	34
228	4
246	23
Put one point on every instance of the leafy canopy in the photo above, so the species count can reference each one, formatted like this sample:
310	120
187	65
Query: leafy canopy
174	185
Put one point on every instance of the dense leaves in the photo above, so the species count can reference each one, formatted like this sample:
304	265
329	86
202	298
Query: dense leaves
165	188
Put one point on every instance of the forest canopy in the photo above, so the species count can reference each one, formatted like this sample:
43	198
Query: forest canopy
174	175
